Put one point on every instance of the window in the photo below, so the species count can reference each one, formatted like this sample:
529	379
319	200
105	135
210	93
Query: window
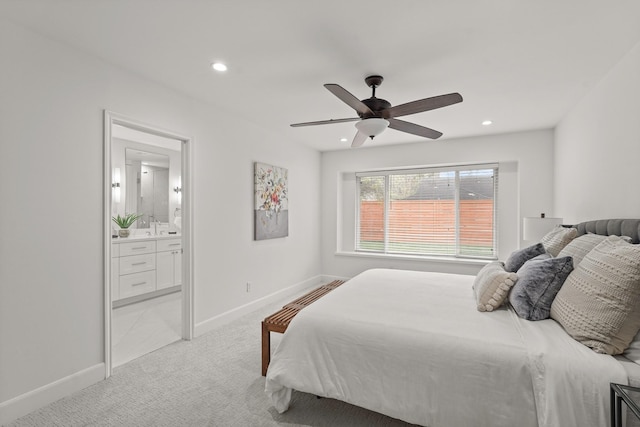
431	211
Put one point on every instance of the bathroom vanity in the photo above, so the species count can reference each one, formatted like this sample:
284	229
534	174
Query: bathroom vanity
144	267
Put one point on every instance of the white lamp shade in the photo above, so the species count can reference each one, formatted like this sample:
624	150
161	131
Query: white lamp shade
372	127
534	228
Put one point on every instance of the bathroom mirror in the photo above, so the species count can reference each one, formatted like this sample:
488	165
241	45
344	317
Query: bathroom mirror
148	171
147	177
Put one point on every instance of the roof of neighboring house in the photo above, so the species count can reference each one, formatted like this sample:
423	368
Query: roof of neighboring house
471	188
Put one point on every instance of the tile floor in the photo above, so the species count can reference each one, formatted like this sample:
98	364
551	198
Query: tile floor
140	328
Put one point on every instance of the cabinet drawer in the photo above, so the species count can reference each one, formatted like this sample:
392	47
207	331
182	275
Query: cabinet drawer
135	248
137	263
169	245
137	283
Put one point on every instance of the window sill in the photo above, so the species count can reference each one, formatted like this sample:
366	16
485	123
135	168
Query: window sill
452	260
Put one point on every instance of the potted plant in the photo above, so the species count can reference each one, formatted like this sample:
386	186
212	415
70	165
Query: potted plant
124	222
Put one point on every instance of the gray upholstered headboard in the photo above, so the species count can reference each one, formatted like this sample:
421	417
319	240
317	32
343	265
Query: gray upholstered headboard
607	227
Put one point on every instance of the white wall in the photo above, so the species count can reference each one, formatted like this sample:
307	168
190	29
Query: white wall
525	189
51	245
597	149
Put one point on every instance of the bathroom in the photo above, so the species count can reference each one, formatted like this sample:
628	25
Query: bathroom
146	265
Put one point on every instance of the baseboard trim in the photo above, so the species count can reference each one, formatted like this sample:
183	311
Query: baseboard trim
26	403
231	315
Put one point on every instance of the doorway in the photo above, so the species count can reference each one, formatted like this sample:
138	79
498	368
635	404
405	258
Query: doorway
148	267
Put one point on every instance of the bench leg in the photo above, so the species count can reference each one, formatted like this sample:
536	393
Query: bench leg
266	348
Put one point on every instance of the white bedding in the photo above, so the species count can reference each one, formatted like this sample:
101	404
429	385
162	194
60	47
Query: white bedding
412	345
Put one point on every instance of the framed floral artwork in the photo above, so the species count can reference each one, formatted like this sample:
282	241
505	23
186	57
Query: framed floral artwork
271	211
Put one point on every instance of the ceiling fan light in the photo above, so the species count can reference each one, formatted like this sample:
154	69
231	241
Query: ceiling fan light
219	66
372	127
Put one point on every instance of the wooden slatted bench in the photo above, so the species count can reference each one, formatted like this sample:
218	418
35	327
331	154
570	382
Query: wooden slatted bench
279	321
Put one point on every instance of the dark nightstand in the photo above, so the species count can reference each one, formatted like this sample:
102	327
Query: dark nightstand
630	396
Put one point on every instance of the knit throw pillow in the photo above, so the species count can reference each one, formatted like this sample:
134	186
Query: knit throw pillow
598	303
555	240
492	285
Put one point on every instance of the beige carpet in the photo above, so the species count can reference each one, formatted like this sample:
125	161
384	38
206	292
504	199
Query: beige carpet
213	380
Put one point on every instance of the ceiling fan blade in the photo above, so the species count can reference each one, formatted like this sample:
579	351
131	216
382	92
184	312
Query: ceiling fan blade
422	105
325	122
346	97
359	139
414	129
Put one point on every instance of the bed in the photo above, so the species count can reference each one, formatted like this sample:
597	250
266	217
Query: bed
414	346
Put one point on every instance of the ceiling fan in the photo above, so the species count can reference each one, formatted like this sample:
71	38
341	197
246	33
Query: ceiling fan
376	114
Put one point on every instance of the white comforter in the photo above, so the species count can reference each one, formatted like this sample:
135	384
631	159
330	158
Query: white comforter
412	345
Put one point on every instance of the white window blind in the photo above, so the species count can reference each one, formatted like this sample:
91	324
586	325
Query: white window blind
438	211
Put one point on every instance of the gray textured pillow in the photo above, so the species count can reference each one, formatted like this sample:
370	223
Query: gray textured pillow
519	257
555	240
492	285
598	304
539	281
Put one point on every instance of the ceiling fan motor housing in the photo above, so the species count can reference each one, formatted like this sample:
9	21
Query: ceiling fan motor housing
377	105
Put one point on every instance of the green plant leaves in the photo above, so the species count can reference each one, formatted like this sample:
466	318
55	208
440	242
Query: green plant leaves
127	220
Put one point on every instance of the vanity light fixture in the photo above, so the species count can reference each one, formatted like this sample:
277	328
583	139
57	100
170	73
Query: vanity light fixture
178	190
115	185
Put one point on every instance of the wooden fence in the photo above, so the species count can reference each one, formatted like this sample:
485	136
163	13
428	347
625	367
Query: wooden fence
428	220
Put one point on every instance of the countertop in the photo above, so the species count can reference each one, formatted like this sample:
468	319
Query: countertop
143	237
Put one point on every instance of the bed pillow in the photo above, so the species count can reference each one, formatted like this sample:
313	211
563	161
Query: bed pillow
539	281
582	245
492	285
633	351
598	303
519	257
555	240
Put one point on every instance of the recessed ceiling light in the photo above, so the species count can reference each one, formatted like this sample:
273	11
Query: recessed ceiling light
487	123
219	66
343	139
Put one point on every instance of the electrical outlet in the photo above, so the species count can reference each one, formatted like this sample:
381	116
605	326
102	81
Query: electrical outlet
248	286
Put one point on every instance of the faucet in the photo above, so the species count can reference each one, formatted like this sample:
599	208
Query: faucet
155	227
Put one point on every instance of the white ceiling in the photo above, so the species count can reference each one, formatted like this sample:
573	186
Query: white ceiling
521	63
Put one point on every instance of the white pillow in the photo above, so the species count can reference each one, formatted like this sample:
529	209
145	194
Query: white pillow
555	240
579	247
491	286
598	303
633	351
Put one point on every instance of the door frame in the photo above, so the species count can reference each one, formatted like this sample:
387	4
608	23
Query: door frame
110	119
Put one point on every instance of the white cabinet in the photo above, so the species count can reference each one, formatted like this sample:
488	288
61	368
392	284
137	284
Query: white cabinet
137	248
137	283
140	267
137	263
169	261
